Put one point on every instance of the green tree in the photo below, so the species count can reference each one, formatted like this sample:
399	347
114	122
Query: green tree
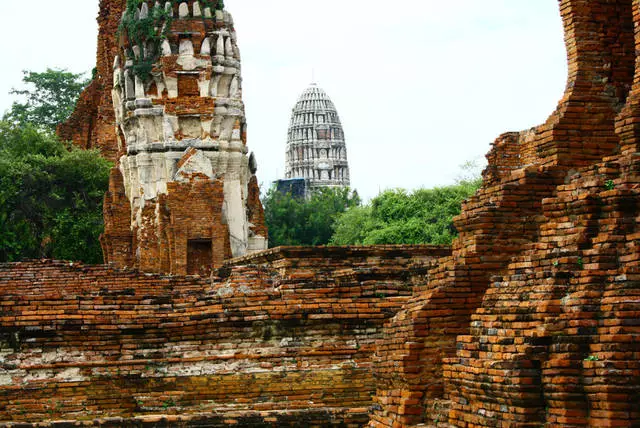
353	227
49	98
50	197
299	221
399	217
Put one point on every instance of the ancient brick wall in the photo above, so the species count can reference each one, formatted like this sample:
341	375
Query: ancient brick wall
555	340
116	241
92	124
533	320
189	215
255	210
284	338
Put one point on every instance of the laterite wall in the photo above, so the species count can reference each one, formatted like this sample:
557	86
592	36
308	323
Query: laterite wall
533	320
287	332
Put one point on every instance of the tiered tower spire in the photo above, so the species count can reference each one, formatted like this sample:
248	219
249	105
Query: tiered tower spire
184	196
316	149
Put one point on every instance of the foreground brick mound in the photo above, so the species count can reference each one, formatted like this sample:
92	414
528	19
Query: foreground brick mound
284	338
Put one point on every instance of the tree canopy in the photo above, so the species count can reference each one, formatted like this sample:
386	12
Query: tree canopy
50	193
50	197
424	216
300	221
49	98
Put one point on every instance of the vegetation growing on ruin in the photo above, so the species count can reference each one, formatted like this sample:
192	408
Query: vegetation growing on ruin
150	31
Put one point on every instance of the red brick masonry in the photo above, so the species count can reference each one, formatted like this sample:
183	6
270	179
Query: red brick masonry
532	320
287	332
535	318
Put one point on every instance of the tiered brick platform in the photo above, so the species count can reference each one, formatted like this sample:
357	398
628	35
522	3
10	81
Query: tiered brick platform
284	337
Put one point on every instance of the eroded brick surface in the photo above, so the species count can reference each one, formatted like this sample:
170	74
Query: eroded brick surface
92	124
287	332
533	320
185	180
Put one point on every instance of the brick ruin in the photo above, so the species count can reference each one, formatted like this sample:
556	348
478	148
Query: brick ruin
92	124
532	318
183	195
281	338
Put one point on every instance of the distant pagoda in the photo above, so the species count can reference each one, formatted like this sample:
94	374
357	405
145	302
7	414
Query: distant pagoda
316	150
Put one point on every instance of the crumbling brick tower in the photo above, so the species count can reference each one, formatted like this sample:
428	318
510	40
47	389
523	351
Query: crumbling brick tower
91	123
184	196
533	320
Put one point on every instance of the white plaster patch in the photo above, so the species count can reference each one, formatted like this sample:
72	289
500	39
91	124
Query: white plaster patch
198	163
70	375
5	380
188	61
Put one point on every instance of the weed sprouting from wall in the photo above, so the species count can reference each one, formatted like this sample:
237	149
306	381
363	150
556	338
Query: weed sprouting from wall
149	31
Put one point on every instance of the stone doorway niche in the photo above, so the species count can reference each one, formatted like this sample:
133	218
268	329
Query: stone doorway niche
199	257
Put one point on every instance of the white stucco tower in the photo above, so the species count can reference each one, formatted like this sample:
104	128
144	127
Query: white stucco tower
316	149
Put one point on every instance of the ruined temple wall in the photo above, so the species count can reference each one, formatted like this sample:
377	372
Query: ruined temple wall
182	125
600	53
92	124
558	331
497	227
532	321
255	212
183	232
284	340
116	211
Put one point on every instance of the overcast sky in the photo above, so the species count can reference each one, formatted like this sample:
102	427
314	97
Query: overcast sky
421	86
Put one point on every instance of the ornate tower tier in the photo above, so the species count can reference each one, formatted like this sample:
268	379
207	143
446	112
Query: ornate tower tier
316	149
184	196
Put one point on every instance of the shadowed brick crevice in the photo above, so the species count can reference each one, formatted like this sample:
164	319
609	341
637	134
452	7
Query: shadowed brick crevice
117	238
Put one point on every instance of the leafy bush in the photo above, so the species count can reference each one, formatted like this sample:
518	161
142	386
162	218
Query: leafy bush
50	197
299	221
399	217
